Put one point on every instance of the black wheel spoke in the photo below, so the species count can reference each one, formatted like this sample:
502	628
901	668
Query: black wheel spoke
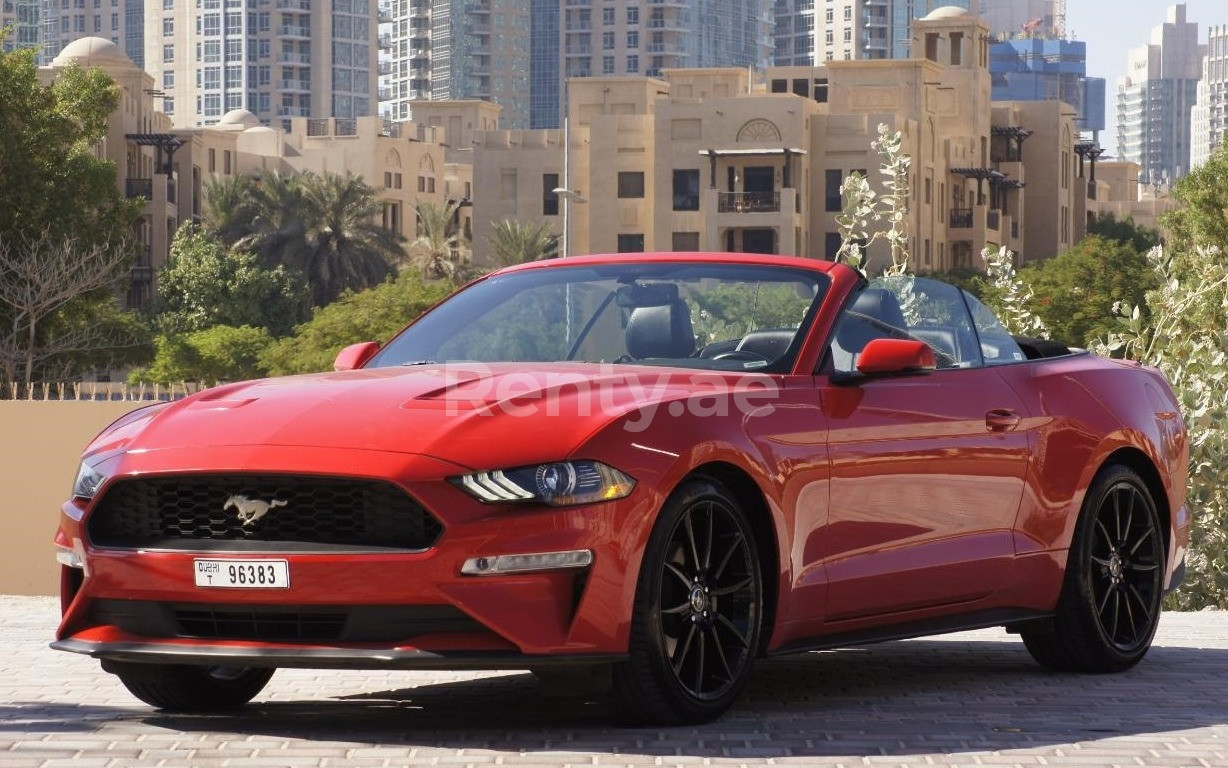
1102	562
683	648
1142	567
725	622
676	610
1104	602
1130	623
674	570
1143	539
701	638
1129	517
690	535
1104	533
733	549
711	542
720	653
741	585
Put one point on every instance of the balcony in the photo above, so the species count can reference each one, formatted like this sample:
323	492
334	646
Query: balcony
748	202
296	85
294	30
993	220
139	188
294	57
294	5
284	111
385	41
961	218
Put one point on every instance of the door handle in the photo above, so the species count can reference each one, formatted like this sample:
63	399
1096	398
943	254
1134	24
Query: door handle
1001	420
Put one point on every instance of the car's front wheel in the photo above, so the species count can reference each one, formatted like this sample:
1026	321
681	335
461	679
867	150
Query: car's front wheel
698	610
190	688
1110	604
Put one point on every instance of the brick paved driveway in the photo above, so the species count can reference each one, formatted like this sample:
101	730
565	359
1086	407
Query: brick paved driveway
967	699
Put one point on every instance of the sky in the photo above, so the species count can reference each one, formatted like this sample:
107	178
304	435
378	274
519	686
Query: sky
1112	27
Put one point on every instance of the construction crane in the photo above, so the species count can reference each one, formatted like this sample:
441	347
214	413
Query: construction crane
1028	28
1059	19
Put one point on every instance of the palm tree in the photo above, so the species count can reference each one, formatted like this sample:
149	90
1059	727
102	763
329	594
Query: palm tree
277	230
515	242
228	207
346	245
440	251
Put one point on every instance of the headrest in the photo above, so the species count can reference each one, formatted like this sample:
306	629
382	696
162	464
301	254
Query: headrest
854	332
663	331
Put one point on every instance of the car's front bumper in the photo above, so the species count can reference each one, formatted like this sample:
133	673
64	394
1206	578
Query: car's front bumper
514	619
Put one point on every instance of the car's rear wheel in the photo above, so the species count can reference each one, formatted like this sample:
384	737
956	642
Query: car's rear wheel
190	688
698	610
1110	604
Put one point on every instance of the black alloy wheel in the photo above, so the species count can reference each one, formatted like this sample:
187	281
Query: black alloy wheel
699	609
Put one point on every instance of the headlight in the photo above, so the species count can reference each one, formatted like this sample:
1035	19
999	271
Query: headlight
87	483
559	484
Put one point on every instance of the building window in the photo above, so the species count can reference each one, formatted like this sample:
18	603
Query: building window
226	161
168	79
168	54
630	243
633	39
820	90
168	26
633	15
607	41
633	64
831	196
957	48
607	16
607	65
686	189
686	241
630	184
780	86
212	160
831	245
550	198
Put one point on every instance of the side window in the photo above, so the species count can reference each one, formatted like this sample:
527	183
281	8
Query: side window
907	308
997	344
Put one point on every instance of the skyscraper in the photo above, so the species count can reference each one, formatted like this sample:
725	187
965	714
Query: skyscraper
295	58
904	12
794	33
480	50
120	21
1039	69
406	72
25	16
1155	97
1209	123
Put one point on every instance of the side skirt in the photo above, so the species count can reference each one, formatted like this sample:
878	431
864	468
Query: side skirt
998	617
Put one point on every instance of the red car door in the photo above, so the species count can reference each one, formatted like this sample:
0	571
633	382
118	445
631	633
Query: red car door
927	471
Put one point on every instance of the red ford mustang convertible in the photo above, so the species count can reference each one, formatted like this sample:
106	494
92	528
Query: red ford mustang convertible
651	469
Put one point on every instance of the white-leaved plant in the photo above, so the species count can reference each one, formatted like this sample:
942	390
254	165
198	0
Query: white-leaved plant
1011	299
1184	333
869	216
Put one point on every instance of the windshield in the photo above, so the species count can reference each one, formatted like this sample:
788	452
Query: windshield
713	316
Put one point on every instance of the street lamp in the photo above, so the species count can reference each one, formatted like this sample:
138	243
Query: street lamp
568	196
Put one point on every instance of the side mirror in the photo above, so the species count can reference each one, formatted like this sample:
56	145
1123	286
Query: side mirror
355	356
895	356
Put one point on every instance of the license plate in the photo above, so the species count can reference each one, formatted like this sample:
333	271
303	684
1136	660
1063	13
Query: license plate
242	574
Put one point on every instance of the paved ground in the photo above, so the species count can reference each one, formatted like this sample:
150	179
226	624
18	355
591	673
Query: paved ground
967	699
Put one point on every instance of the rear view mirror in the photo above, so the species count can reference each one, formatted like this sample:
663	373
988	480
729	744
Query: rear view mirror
355	356
895	356
635	295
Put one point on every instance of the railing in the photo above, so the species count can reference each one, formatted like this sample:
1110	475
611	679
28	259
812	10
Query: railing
961	218
296	85
96	391
317	127
293	30
294	57
345	126
139	188
748	202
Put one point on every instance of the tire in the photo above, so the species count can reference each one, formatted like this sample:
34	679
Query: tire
1110	602
190	688
698	611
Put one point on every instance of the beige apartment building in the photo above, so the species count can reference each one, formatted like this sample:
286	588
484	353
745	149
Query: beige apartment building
169	167
707	160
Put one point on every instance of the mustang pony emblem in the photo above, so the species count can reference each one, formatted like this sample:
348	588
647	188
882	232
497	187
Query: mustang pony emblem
251	510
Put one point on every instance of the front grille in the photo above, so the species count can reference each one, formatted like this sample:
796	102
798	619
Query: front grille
259	624
282	623
189	512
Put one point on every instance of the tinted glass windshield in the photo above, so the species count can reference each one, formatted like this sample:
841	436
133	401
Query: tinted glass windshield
714	316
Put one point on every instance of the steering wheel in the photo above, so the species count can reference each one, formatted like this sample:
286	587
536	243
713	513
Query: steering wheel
742	354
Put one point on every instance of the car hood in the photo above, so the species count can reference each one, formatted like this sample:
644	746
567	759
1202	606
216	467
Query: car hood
478	416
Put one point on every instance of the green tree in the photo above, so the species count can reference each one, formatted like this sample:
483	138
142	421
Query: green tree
1108	226
205	284
440	252
220	353
346	246
374	314
65	227
1075	292
323	227
1183	331
517	242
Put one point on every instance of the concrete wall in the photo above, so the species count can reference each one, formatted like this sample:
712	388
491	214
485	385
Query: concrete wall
40	445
